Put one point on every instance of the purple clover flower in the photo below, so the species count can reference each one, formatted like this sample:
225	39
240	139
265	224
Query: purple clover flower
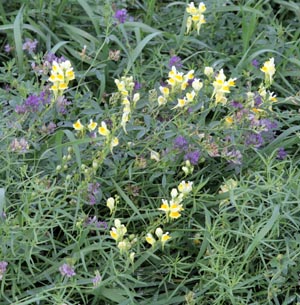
3	266
121	15
93	221
267	124
237	105
193	157
181	143
255	63
67	270
255	140
30	45
7	48
21	145
175	61
62	104
94	187
97	279
281	153
137	86
257	101
33	103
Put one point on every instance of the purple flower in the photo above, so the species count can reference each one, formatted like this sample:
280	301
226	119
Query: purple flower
255	63
67	270
19	145
30	45
137	86
257	101
94	187
175	61
267	124
237	105
254	139
97	279
181	143
281	153
7	48
193	157
97	223
32	103
121	15
233	156
62	104
3	266
20	109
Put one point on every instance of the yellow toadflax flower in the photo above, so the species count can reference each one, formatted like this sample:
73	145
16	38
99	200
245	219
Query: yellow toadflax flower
103	129
118	231
196	18
171	209
92	126
163	237
269	69
150	239
78	126
61	74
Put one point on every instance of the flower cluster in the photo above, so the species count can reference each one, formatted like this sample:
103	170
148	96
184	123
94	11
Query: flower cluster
20	146
221	87
173	207
3	266
33	103
102	130
162	237
178	82
196	18
124	244
129	99
61	74
67	270
269	69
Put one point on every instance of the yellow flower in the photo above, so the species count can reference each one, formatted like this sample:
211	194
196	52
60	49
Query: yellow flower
172	210
114	143
92	126
209	71
118	231
163	237
78	126
110	203
196	18
150	239
165	91
197	85
154	156
269	69
61	74
181	102
229	120
103	129
161	100
185	187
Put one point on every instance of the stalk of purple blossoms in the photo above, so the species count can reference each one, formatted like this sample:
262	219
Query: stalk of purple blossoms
93	221
3	266
181	143
175	61
67	270
121	15
30	45
19	145
281	153
61	104
193	157
97	279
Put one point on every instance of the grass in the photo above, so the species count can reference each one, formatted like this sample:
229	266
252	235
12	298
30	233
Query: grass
204	194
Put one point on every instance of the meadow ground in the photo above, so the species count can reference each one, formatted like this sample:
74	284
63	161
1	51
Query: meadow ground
149	152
